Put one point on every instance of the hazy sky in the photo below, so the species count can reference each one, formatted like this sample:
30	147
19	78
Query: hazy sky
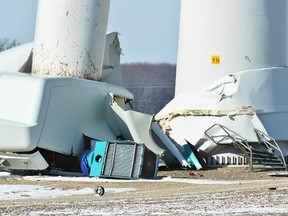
148	29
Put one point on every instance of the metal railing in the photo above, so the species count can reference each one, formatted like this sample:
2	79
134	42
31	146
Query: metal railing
220	134
270	143
231	135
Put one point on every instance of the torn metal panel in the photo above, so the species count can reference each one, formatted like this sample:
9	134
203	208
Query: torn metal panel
242	101
171	146
192	128
196	133
111	67
252	89
135	126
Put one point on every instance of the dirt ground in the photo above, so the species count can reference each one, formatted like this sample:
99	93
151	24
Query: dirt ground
222	191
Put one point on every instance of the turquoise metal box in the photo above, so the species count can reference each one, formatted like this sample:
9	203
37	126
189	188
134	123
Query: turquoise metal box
121	159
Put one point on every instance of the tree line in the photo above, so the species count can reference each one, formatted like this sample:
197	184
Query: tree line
152	84
6	43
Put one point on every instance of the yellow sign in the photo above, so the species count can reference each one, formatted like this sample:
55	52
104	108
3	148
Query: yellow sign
215	59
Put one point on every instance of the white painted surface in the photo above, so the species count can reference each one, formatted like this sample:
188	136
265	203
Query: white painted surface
262	89
53	113
70	38
15	59
231	54
245	35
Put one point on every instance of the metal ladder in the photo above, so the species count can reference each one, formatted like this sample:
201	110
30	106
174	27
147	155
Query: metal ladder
258	158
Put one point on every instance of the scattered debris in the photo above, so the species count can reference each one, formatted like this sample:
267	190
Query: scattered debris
191	173
278	173
272	188
99	191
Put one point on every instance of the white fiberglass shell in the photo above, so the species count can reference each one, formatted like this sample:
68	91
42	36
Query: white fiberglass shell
221	37
70	38
21	105
263	90
53	113
17	58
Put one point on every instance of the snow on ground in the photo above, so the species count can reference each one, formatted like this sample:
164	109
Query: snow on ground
21	191
93	179
183	199
14	192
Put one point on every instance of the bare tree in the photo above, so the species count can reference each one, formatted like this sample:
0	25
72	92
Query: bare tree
6	43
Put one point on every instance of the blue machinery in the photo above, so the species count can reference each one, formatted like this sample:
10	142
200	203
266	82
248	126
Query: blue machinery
119	159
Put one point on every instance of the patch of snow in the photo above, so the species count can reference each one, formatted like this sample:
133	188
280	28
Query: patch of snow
97	179
13	192
166	179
